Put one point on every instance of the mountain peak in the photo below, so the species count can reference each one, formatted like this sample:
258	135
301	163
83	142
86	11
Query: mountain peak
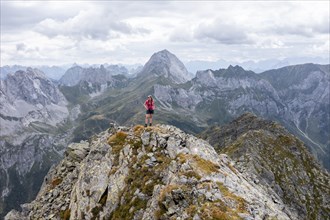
236	67
33	87
165	51
237	70
166	64
28	73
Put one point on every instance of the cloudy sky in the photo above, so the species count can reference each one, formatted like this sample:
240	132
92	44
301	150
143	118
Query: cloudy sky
62	32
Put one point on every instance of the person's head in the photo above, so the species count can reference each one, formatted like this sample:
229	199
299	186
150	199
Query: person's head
149	97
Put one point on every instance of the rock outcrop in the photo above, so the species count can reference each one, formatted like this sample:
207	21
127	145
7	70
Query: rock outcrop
149	173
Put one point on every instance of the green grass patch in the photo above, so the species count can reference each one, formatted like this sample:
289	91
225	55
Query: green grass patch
100	205
55	182
118	138
65	215
241	203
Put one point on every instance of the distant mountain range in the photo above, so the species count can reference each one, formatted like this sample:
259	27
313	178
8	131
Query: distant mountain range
52	72
256	66
56	72
193	66
40	118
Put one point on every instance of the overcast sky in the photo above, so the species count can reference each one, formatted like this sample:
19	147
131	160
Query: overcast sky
62	32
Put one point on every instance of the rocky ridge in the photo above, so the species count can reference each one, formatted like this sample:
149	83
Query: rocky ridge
94	75
53	72
277	161
149	173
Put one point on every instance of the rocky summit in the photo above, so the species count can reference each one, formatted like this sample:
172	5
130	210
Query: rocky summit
157	172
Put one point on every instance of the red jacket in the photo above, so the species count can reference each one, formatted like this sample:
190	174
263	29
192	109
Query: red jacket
149	105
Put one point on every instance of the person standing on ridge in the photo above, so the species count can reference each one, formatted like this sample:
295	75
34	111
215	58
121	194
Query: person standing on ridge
149	104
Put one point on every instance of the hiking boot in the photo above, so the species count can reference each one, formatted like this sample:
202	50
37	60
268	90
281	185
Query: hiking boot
145	125
150	124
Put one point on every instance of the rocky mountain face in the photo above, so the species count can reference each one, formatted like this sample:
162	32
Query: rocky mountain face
277	161
166	64
32	110
28	97
154	173
229	92
101	76
305	91
296	96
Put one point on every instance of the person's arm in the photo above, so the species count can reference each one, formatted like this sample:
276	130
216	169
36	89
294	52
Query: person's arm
146	105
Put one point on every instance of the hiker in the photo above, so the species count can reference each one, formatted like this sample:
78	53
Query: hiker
149	104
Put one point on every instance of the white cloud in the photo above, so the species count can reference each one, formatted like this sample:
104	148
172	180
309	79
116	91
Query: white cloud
223	32
89	24
110	31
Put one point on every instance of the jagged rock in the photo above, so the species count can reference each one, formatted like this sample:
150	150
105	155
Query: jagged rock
77	151
145	138
173	145
15	215
111	181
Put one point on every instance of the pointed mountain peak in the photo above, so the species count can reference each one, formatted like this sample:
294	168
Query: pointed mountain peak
33	87
235	68
165	51
166	64
164	56
28	73
236	71
35	72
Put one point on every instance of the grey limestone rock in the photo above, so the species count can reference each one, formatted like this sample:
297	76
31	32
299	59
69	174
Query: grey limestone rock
112	181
